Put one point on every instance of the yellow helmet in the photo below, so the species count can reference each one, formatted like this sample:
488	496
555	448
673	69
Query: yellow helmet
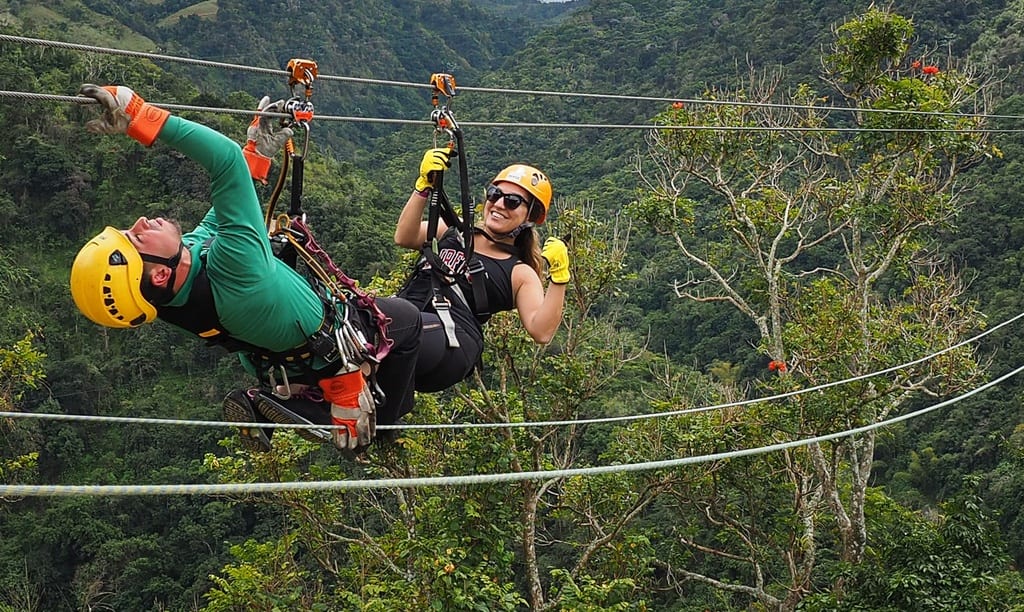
534	181
106	282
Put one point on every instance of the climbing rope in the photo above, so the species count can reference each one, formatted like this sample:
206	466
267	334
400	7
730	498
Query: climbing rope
466	480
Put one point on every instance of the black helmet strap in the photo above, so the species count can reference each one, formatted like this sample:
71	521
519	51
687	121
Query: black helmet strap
170	262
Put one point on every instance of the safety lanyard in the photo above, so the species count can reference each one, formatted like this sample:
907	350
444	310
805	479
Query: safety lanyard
296	238
439	205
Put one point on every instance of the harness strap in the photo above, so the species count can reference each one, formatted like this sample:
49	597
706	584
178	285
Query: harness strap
439	206
443	308
199	316
476	274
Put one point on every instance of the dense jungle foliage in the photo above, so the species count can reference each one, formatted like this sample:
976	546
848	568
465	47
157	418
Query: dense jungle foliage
709	267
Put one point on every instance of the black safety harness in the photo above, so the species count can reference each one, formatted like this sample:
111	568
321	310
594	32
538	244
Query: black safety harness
199	316
444	274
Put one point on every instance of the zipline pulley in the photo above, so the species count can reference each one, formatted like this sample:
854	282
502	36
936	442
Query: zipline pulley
444	120
302	72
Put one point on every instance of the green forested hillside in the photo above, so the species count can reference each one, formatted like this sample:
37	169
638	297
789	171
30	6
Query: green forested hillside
940	503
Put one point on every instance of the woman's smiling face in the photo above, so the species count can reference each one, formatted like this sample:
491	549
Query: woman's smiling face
499	216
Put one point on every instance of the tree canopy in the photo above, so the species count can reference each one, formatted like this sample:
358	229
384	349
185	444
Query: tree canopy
785	244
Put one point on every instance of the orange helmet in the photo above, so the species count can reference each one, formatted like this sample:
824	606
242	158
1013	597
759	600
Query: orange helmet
106	282
534	181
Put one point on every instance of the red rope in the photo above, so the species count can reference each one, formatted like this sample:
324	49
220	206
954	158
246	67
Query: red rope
362	298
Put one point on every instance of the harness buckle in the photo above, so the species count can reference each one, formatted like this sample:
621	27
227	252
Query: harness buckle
443	309
474	266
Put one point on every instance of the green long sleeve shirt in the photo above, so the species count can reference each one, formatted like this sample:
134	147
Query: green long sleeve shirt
259	299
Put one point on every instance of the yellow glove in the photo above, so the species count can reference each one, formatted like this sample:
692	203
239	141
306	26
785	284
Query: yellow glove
434	160
557	256
124	112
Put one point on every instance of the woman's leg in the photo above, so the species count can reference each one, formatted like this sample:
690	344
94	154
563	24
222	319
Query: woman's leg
438	366
396	372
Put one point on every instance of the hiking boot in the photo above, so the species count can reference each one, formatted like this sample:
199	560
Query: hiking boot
239	408
306	408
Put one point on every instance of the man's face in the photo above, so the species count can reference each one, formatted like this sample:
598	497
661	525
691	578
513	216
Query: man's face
159	236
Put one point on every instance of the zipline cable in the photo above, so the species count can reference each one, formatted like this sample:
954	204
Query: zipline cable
528	125
467	480
24	95
195	62
533	92
558	423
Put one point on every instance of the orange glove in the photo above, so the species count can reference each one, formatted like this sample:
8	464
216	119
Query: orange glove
263	140
124	112
352	408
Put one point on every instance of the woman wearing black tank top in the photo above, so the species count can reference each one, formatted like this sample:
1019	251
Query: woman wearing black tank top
506	245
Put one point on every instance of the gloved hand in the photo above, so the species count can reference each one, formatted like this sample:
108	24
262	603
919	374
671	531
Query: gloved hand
264	139
557	256
434	160
124	112
353	409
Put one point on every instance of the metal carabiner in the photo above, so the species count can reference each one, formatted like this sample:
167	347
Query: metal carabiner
343	348
444	121
357	340
302	113
274	386
305	127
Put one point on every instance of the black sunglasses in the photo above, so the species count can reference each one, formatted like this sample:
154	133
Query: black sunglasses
512	200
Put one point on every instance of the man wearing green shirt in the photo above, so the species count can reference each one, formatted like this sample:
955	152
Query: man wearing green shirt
222	280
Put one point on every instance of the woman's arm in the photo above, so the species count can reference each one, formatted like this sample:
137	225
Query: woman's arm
540	311
411	231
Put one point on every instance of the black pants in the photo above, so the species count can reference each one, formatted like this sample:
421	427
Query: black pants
438	366
396	372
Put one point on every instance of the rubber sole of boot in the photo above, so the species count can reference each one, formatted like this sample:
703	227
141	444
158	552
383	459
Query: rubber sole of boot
240	410
279	413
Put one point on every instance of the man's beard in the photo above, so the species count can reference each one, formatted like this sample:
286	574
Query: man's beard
158	296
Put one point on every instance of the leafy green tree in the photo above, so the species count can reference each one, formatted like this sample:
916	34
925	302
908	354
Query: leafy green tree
947	560
825	242
21	368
